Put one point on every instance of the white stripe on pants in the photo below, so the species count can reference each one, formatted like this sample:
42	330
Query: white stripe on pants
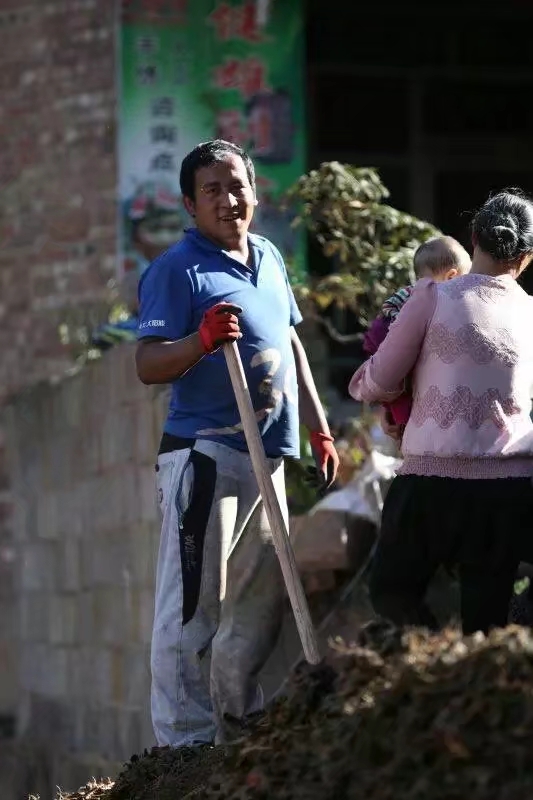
219	593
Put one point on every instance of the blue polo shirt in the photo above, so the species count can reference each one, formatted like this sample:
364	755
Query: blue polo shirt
174	293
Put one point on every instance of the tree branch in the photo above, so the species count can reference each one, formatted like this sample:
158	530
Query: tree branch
333	333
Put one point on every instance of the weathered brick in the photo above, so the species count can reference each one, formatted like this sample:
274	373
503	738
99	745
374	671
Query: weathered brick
9	685
149	508
63	620
110	615
86	565
161	395
4	469
91	728
44	669
143	554
34	615
136	677
119	668
48	515
85	618
8	572
136	616
146	615
108	733
147	731
32	658
100	500
70	565
129	732
133	391
39	566
108	664
146	435
9	622
81	501
118	437
129	496
55	677
110	562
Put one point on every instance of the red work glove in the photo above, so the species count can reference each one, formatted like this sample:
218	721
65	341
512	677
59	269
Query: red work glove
326	457
219	325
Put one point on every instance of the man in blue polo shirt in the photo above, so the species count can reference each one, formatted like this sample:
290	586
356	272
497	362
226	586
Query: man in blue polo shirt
219	592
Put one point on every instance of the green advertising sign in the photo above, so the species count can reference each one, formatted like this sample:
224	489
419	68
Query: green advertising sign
193	70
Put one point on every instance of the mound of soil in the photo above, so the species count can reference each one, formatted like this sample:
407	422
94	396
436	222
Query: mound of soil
167	773
398	716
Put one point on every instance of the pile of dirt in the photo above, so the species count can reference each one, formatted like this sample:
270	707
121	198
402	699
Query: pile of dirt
168	774
395	717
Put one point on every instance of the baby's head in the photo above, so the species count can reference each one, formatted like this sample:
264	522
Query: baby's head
441	259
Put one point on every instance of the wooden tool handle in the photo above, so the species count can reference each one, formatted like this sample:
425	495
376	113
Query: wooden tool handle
278	527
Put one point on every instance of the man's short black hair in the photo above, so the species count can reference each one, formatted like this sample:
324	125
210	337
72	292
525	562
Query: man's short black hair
205	155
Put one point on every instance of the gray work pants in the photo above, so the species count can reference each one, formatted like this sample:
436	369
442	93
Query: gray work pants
219	594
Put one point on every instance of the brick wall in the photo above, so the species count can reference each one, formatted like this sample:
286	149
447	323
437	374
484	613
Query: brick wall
57	176
57	209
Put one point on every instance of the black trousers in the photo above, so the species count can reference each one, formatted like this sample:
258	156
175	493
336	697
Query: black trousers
483	527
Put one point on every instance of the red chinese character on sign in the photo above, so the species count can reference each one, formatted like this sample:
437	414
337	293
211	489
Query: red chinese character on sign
236	22
248	76
230	128
222	19
252	77
245	23
227	76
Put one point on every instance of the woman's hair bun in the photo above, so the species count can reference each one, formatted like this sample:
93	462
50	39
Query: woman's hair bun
504	233
503	226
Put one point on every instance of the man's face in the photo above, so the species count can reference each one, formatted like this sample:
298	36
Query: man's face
224	202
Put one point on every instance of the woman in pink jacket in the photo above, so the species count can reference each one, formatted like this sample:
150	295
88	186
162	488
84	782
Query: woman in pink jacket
464	495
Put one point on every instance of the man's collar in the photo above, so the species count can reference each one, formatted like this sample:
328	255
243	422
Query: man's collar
206	244
202	241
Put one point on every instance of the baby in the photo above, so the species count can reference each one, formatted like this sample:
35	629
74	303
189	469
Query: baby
440	259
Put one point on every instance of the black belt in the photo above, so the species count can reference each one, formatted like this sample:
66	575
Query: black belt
169	443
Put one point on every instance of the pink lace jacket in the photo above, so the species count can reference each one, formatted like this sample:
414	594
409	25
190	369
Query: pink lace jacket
469	346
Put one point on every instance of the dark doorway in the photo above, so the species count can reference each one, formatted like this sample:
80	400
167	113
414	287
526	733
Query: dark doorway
436	96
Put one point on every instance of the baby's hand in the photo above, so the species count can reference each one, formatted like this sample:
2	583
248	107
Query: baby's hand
389	426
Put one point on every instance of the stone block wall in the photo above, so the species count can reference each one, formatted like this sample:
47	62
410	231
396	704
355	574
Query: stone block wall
86	533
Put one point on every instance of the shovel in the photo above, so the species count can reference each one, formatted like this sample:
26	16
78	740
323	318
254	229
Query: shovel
278	527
